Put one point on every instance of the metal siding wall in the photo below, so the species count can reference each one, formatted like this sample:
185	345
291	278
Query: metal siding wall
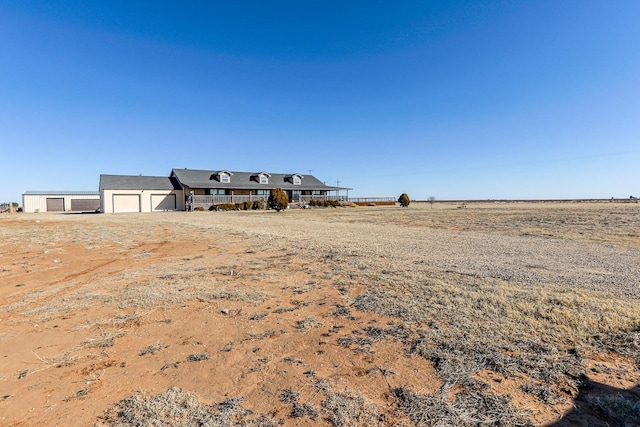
33	202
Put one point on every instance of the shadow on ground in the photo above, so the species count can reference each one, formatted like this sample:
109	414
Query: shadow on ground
600	405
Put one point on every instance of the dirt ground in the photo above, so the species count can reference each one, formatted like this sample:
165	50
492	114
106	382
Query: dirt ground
97	308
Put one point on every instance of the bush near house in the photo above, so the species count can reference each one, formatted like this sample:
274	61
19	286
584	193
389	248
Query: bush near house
259	204
278	199
244	206
404	200
324	203
225	207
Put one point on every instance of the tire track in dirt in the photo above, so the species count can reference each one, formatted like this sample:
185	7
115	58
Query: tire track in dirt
119	265
109	262
84	272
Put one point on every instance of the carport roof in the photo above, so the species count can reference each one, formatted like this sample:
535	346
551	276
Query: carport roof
137	182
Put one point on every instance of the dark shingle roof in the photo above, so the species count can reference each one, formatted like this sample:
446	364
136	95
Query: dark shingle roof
246	180
137	182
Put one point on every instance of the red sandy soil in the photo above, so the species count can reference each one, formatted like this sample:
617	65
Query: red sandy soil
70	348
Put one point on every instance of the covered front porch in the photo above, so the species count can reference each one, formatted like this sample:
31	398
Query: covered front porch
207	201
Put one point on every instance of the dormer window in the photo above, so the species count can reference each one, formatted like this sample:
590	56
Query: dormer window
223	176
261	178
295	179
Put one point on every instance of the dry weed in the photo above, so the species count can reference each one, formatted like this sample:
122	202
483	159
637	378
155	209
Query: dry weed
307	323
617	409
180	409
104	339
152	349
350	409
469	407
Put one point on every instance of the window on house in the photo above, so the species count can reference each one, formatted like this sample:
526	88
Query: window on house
262	192
225	178
297	180
264	179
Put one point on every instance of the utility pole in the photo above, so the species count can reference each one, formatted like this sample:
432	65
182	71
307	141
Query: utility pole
338	189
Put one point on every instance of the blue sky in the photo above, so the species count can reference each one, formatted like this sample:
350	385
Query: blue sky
455	99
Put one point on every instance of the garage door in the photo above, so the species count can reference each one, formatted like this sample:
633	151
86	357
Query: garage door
55	205
126	203
163	202
85	205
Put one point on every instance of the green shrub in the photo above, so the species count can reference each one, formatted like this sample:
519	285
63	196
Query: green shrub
404	200
278	199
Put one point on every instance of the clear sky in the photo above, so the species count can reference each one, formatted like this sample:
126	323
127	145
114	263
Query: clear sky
452	99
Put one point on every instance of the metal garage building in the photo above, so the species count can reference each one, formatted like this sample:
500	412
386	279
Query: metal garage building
134	193
61	201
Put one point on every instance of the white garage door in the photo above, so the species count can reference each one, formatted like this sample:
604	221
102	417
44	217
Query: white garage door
126	203
163	202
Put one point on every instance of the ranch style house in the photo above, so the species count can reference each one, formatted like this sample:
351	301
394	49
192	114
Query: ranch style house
186	189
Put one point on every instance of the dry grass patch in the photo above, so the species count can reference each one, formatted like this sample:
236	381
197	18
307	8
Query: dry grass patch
104	339
345	408
165	291
465	325
511	311
177	408
350	409
307	323
617	409
469	407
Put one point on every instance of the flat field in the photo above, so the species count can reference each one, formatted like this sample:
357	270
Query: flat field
495	314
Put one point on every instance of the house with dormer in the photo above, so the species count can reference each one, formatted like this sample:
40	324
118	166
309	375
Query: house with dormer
186	189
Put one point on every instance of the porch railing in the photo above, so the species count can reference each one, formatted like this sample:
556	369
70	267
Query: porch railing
217	200
206	201
308	198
